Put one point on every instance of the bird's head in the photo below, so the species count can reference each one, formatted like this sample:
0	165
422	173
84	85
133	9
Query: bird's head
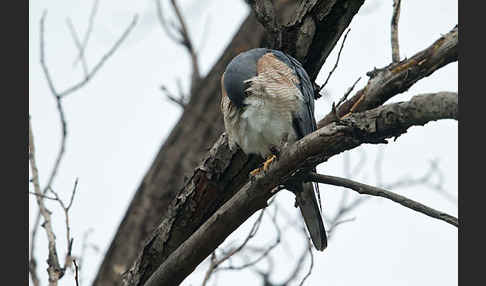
239	70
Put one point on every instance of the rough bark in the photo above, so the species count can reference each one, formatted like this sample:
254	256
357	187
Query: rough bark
373	126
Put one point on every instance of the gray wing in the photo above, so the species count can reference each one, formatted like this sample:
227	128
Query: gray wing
304	123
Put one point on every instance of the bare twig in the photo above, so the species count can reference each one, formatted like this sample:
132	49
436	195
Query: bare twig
163	22
253	231
425	180
346	94
103	59
311	266
375	191
215	262
300	262
342	211
394	31
92	72
54	270
79	46
378	166
84	247
393	79
43	196
76	272
187	42
58	96
84	44
264	252
65	208
59	106
179	100
337	60
358	167
180	34
32	261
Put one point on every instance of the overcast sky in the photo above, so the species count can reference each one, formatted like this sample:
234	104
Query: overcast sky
119	120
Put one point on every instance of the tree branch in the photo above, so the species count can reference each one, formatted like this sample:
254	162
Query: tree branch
182	37
337	61
79	46
296	160
396	78
379	192
216	262
394	31
54	270
84	44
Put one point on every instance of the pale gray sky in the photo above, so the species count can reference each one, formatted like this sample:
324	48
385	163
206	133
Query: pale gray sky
119	120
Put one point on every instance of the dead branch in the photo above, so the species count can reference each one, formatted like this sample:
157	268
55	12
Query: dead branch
375	191
216	262
92	72
76	272
32	261
79	46
307	251
43	196
84	44
394	31
262	252
58	105
346	94
59	95
294	274
372	126
180	99
54	269
65	208
311	266
337	61
85	245
396	78
180	35
56	272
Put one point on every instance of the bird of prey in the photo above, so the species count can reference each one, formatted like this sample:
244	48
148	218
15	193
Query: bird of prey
267	99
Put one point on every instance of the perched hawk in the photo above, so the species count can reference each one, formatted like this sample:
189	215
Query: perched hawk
268	98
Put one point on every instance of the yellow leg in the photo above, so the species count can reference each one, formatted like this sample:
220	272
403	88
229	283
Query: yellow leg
265	166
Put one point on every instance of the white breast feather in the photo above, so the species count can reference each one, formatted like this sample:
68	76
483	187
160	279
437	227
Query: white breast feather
266	118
